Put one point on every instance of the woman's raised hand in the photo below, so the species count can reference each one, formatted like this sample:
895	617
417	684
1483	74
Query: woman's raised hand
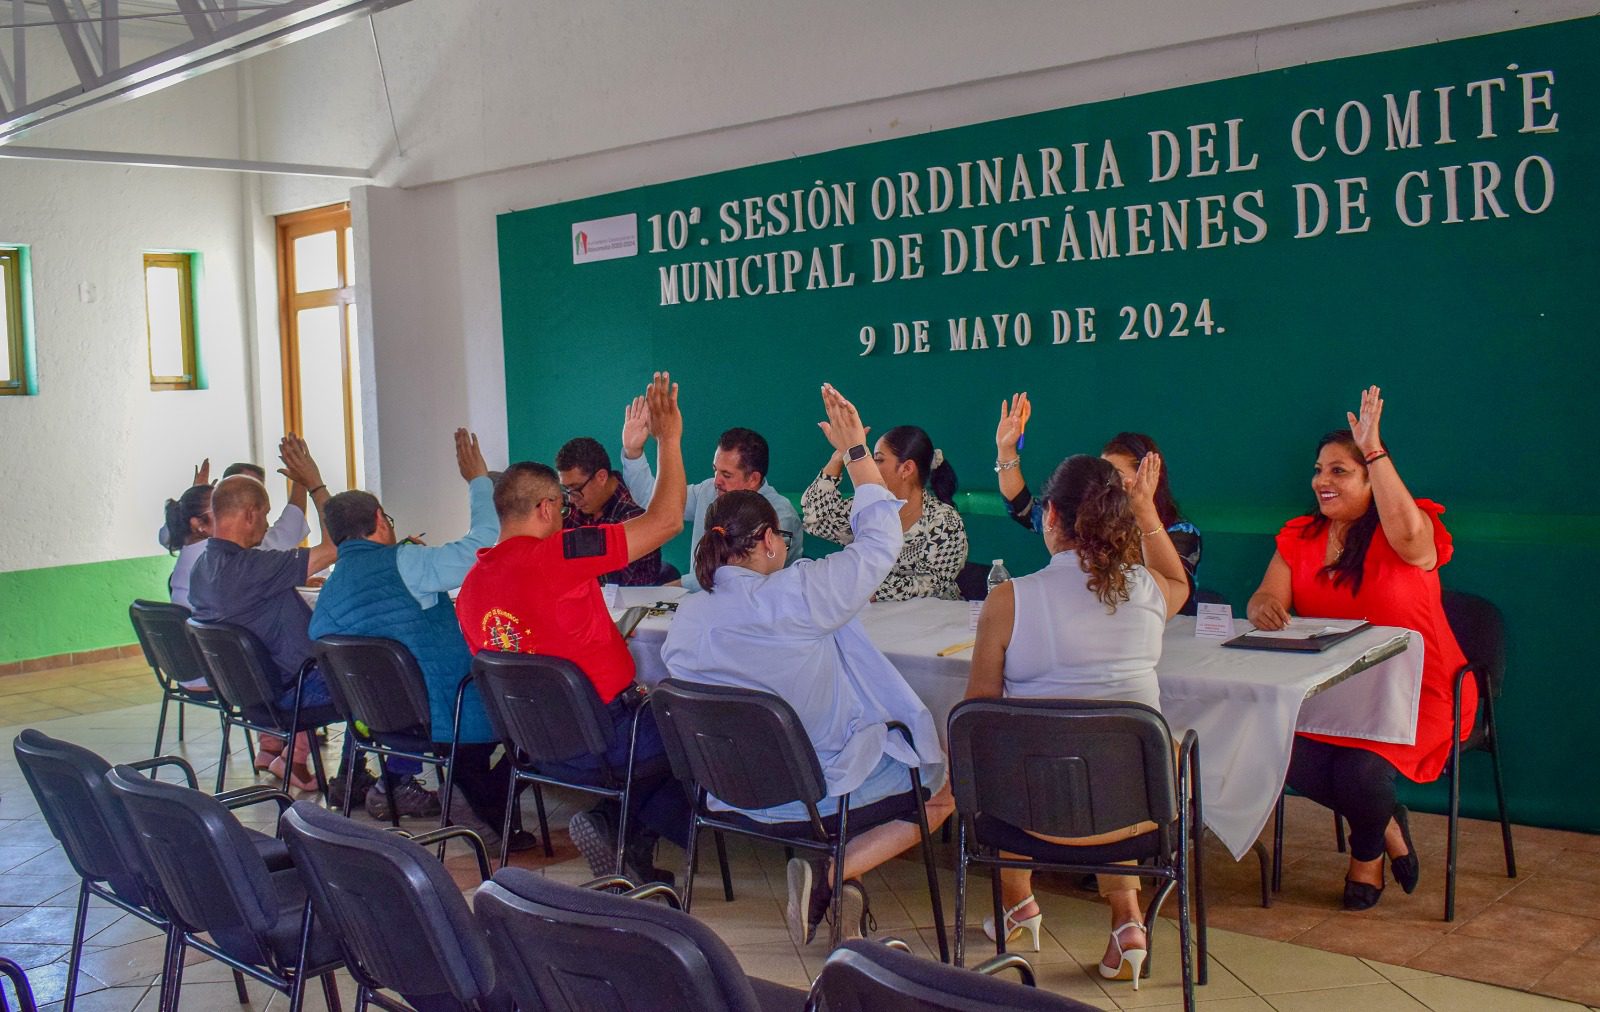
635	427
1013	419
843	427
1142	489
661	407
1365	428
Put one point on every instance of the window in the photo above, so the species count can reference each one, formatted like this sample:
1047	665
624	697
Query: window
169	320
13	366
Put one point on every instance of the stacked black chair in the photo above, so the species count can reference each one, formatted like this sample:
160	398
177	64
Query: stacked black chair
1078	768
211	880
160	629
568	949
545	710
1480	631
399	917
68	781
749	750
863	976
377	683
241	672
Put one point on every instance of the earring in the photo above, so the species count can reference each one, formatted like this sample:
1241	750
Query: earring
1049	530
771	554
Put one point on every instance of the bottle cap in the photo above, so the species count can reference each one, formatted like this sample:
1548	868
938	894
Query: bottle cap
999	562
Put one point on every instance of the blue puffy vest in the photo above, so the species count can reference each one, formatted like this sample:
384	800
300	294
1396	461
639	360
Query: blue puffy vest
365	596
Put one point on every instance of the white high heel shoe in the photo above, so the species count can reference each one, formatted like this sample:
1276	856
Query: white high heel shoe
1130	962
1014	927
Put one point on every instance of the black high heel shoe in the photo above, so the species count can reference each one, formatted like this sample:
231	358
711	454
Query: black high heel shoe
1407	870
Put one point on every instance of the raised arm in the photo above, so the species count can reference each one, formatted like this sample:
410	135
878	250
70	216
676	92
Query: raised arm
663	518
1408	529
301	468
1160	557
437	568
1022	506
635	469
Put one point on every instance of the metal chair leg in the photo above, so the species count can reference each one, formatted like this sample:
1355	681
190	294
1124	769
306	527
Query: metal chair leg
180	720
388	781
239	988
961	894
161	722
544	825
727	876
76	955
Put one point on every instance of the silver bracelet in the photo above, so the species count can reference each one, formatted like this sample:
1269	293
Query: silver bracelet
1007	465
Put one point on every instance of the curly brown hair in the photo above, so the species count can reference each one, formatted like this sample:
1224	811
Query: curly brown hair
1087	496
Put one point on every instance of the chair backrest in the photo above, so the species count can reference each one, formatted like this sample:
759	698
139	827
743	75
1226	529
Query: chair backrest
748	748
400	918
1205	595
863	976
1481	632
546	707
375	681
241	669
11	969
166	643
1062	767
973	581
209	875
561	948
68	782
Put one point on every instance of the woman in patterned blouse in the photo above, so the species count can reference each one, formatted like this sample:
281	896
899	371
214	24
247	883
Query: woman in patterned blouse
935	546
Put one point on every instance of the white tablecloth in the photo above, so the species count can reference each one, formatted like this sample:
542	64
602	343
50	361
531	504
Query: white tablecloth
1244	704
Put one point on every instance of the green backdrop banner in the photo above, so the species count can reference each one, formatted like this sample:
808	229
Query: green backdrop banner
1223	266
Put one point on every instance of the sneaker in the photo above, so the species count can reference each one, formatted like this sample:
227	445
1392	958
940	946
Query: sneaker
639	861
855	912
592	834
809	897
412	800
362	784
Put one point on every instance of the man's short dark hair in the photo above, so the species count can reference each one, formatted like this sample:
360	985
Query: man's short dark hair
519	490
255	471
751	447
352	514
585	454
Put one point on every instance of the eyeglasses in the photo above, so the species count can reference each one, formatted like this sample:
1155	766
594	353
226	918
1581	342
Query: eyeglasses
388	520
787	536
566	507
571	490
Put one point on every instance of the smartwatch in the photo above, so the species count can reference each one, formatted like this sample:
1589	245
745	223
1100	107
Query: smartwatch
856	452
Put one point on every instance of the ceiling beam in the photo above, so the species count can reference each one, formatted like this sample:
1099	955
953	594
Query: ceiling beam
183	162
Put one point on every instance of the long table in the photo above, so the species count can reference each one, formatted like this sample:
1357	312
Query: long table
1245	705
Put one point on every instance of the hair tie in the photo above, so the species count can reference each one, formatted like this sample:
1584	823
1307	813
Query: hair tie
721	530
938	458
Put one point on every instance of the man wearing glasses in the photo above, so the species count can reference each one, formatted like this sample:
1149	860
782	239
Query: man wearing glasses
537	592
595	496
740	462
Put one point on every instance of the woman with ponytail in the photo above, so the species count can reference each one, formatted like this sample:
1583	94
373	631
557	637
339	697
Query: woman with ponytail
794	632
1368	549
1087	626
187	528
935	539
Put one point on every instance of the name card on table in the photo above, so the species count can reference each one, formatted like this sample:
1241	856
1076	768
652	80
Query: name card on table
975	608
1214	621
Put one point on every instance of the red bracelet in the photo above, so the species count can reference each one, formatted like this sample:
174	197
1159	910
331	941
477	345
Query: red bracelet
1375	456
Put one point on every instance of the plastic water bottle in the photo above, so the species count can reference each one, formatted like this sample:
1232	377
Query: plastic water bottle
997	574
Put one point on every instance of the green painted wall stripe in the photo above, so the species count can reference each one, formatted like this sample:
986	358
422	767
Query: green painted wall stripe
65	609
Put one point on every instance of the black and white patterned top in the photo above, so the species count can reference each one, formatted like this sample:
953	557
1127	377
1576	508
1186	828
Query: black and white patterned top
935	546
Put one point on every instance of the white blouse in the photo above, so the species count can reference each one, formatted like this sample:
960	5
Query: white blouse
796	634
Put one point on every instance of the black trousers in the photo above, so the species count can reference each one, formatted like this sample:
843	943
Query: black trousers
1357	784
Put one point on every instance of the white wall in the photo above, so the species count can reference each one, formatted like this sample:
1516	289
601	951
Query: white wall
434	318
88	462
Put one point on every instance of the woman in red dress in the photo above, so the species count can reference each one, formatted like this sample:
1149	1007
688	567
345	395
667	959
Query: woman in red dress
1368	551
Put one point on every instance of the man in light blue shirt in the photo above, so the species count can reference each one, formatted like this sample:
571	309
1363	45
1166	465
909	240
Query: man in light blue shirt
739	463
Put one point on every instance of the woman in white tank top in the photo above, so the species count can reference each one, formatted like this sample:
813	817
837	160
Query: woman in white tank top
1087	626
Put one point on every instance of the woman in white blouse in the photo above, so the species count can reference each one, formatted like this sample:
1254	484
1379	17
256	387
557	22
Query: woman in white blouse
935	539
794	632
1087	626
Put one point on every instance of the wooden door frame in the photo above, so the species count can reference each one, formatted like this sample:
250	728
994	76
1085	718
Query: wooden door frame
334	218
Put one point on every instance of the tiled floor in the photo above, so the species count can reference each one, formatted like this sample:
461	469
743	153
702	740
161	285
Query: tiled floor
1538	933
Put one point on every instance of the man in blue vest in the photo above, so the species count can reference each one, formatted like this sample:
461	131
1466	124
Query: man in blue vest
400	591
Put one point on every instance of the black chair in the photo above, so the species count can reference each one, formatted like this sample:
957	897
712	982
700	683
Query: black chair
19	983
241	672
973	581
570	949
1479	629
545	710
68	781
1481	633
211	880
160	629
1078	768
749	749
377	683
863	976
401	921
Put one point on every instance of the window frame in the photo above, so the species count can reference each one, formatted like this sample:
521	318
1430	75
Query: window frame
11	327
184	264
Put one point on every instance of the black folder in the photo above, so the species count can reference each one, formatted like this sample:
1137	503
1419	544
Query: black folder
1303	645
